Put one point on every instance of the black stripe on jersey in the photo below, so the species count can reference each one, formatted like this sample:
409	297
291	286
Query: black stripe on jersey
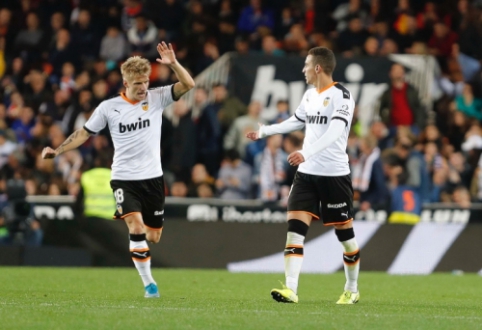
88	130
299	118
346	93
172	93
341	118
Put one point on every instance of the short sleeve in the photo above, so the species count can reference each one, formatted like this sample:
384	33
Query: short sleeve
300	112
343	105
164	94
97	121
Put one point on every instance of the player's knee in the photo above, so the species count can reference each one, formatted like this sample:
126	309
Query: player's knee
136	230
153	236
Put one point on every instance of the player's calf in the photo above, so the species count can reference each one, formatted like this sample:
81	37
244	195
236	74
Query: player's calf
351	259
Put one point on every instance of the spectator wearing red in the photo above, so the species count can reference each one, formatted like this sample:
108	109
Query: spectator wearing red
400	104
442	40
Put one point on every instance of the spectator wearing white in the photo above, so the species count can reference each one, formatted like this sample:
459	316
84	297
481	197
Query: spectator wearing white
6	147
270	167
236	136
368	178
142	38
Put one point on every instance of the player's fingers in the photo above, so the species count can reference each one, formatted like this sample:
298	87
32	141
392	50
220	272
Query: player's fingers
170	47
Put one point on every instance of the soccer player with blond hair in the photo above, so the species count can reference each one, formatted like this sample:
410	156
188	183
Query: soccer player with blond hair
134	119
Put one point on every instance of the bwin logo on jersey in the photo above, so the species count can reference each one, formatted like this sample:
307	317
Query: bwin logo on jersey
326	101
135	126
317	119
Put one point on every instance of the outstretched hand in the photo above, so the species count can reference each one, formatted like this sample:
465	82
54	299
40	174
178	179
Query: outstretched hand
295	158
166	53
254	135
48	153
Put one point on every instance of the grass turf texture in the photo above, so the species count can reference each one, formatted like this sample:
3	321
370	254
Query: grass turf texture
96	298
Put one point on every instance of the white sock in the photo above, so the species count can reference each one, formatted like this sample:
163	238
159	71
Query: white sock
142	260
351	252
293	259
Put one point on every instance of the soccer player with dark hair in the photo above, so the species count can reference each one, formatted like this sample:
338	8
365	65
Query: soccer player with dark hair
323	177
134	119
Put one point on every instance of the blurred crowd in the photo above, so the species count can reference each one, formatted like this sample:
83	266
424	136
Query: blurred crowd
59	59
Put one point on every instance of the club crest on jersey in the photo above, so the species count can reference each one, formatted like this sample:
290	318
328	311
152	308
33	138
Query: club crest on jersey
326	101
119	208
145	106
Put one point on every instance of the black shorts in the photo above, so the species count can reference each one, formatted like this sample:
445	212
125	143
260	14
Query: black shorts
144	196
330	197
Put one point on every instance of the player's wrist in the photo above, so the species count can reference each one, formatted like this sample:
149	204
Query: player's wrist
261	132
174	64
306	153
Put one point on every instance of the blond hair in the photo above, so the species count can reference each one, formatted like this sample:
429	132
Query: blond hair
135	66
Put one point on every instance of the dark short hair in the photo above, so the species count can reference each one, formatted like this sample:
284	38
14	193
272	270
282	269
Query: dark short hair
295	140
324	57
231	155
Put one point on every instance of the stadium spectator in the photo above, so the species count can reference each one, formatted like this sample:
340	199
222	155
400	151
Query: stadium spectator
201	183
254	16
228	107
179	189
283	108
131	9
371	47
236	136
269	171
295	41
467	103
227	35
142	38
31	42
113	45
269	46
343	13
417	176
173	13
368	177
184	135
23	125
234	179
6	148
85	37
209	55
288	19
208	132
7	32
442	40
400	104
350	41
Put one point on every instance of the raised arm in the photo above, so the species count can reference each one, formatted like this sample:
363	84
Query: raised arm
168	57
73	141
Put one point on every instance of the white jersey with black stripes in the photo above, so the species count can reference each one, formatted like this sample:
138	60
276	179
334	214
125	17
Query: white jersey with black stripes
135	128
317	110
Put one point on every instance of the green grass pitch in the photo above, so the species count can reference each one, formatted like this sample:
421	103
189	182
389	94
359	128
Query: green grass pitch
97	298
